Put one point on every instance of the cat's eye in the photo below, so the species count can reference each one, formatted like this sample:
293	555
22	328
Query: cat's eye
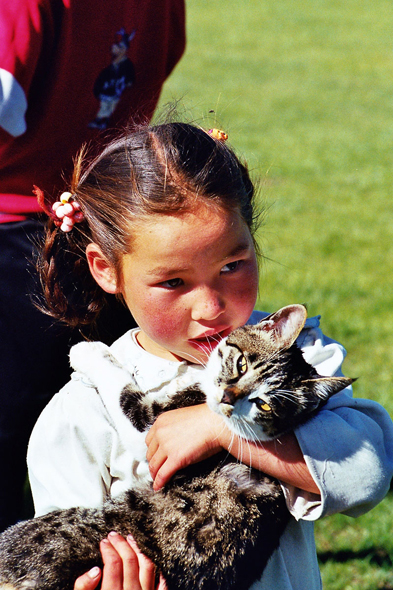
241	365
263	405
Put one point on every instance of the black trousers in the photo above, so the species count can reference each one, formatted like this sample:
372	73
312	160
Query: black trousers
33	359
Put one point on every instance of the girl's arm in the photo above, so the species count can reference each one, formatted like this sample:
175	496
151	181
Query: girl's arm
188	435
347	447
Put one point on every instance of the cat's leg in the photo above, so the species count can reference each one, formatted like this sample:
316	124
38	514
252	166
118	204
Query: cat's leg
143	409
95	364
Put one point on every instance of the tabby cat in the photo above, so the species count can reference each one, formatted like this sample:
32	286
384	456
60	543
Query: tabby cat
216	523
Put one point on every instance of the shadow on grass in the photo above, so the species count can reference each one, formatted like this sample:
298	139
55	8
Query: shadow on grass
376	556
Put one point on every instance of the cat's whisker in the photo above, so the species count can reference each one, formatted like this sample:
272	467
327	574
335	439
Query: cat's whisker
246	428
277	441
221	431
202	349
213	339
290	392
247	460
246	435
210	343
240	438
210	340
244	441
230	445
249	463
287	395
198	361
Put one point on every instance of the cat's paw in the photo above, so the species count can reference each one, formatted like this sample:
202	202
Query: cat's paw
85	356
95	362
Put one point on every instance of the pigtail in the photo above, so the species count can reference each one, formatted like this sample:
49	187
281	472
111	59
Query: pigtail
70	293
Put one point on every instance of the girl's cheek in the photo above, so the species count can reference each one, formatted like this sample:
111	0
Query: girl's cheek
161	321
163	328
247	293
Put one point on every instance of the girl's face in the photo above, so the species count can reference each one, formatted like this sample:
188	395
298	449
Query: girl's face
189	281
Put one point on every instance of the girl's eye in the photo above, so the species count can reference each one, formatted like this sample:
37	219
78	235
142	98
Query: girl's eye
231	266
172	283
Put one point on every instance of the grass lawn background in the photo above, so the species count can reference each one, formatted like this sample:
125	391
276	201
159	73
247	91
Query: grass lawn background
305	91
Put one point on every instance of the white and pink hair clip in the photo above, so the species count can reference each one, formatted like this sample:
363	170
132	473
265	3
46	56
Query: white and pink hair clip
67	211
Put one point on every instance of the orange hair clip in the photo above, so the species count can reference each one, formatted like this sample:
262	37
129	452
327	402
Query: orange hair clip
218	134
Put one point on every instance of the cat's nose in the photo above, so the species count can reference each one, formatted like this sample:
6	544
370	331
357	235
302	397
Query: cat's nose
227	399
229	396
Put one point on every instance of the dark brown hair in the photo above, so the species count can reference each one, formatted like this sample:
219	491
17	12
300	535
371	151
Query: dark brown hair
162	169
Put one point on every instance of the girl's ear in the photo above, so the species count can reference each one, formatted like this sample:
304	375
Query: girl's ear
103	273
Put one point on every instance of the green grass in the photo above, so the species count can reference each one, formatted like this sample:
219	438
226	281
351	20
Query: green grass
305	91
357	554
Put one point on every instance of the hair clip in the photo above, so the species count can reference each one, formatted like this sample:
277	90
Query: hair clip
218	134
68	212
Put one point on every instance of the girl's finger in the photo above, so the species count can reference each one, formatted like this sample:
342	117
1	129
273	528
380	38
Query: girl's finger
164	473
157	461
152	445
147	570
112	578
88	581
129	560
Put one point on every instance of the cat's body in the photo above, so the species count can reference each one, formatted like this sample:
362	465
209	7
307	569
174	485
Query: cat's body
216	523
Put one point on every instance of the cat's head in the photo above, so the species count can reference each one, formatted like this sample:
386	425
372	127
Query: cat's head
263	387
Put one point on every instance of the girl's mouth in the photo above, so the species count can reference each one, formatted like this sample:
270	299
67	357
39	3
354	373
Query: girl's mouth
209	341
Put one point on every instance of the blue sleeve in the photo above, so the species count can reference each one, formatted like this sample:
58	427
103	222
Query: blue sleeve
348	448
348	445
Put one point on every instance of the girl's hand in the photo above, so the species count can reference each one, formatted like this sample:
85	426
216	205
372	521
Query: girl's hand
179	438
125	568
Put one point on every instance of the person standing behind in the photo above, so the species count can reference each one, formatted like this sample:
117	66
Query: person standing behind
54	54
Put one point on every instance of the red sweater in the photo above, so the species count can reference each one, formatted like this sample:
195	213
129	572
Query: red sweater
69	68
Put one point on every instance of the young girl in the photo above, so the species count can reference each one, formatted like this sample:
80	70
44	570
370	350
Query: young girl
164	218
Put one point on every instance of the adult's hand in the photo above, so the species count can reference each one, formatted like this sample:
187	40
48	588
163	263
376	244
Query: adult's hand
125	568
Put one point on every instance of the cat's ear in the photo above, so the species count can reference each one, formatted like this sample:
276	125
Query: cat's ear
285	325
325	387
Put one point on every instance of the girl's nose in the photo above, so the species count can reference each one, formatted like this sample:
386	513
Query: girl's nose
208	305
